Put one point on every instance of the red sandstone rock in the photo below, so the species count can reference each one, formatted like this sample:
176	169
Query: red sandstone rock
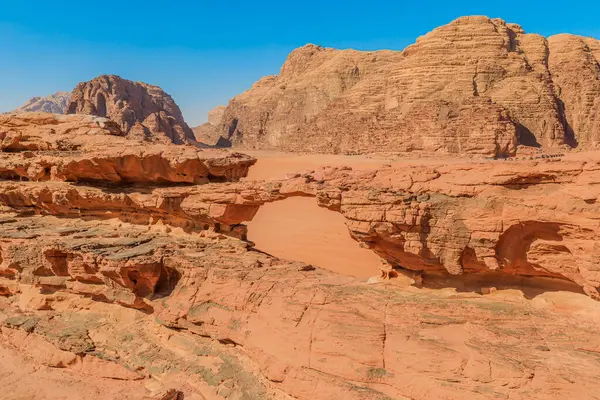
79	148
203	314
219	320
474	218
120	275
474	86
141	110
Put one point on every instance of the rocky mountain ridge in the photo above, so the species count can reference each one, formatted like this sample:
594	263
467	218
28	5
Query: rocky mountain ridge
474	86
55	103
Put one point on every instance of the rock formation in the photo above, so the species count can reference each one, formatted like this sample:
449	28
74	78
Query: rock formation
474	86
215	116
467	219
209	133
119	304
122	274
206	298
490	216
55	103
76	148
142	111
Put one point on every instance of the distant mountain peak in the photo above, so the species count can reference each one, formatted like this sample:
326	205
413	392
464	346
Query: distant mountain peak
55	103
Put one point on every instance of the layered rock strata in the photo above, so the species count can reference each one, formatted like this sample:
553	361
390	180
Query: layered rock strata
135	282
530	218
80	148
474	86
157	313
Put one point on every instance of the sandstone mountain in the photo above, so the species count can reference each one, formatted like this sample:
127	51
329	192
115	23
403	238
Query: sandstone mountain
209	133
55	103
477	85
142	111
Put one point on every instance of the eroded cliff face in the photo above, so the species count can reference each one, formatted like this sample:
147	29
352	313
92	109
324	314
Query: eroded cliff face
142	111
531	217
81	148
123	269
474	86
574	64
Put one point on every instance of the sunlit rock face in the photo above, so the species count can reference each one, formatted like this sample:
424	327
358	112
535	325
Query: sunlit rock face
143	111
474	86
125	271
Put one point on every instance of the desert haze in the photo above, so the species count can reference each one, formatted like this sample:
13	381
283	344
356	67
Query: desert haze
418	224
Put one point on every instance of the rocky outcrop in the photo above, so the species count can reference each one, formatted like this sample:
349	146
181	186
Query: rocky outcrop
122	274
489	219
83	148
115	304
142	111
215	116
530	218
474	86
574	64
209	133
55	103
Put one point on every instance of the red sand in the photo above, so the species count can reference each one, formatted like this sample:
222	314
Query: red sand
275	165
298	229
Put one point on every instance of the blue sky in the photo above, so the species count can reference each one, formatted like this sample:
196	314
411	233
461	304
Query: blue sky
205	52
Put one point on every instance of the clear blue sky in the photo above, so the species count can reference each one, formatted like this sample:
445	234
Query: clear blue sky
205	52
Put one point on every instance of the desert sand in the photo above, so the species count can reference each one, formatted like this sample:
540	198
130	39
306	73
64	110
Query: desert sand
298	229
278	164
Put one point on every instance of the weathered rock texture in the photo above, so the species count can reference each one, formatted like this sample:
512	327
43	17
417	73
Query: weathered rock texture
209	133
530	218
141	110
83	148
215	116
120	304
55	103
525	218
476	86
143	291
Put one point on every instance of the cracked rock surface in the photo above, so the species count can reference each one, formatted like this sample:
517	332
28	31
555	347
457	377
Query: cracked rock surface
124	273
